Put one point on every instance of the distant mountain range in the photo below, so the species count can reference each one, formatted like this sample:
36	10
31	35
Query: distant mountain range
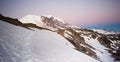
102	45
109	27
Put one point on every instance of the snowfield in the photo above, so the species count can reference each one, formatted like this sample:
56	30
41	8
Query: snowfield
32	19
18	44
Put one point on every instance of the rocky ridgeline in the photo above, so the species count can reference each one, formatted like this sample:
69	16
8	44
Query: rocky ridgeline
76	37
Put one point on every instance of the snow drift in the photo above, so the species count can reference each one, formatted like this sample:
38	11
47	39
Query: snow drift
21	45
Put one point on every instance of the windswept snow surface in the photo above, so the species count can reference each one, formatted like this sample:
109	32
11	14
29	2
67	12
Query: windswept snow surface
18	44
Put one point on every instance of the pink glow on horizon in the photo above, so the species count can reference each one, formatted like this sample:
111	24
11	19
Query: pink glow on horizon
78	12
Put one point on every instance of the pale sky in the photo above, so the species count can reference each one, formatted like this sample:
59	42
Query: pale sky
78	12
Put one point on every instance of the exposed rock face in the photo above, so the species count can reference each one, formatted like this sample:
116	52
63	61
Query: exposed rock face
77	38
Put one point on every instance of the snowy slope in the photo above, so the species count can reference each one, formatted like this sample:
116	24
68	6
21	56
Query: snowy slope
101	51
18	44
104	48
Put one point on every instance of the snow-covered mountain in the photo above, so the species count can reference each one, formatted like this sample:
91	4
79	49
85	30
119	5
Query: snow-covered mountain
49	22
53	40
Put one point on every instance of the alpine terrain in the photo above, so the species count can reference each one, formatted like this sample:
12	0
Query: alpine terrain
49	39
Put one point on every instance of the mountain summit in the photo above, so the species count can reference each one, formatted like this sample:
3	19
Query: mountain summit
49	21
